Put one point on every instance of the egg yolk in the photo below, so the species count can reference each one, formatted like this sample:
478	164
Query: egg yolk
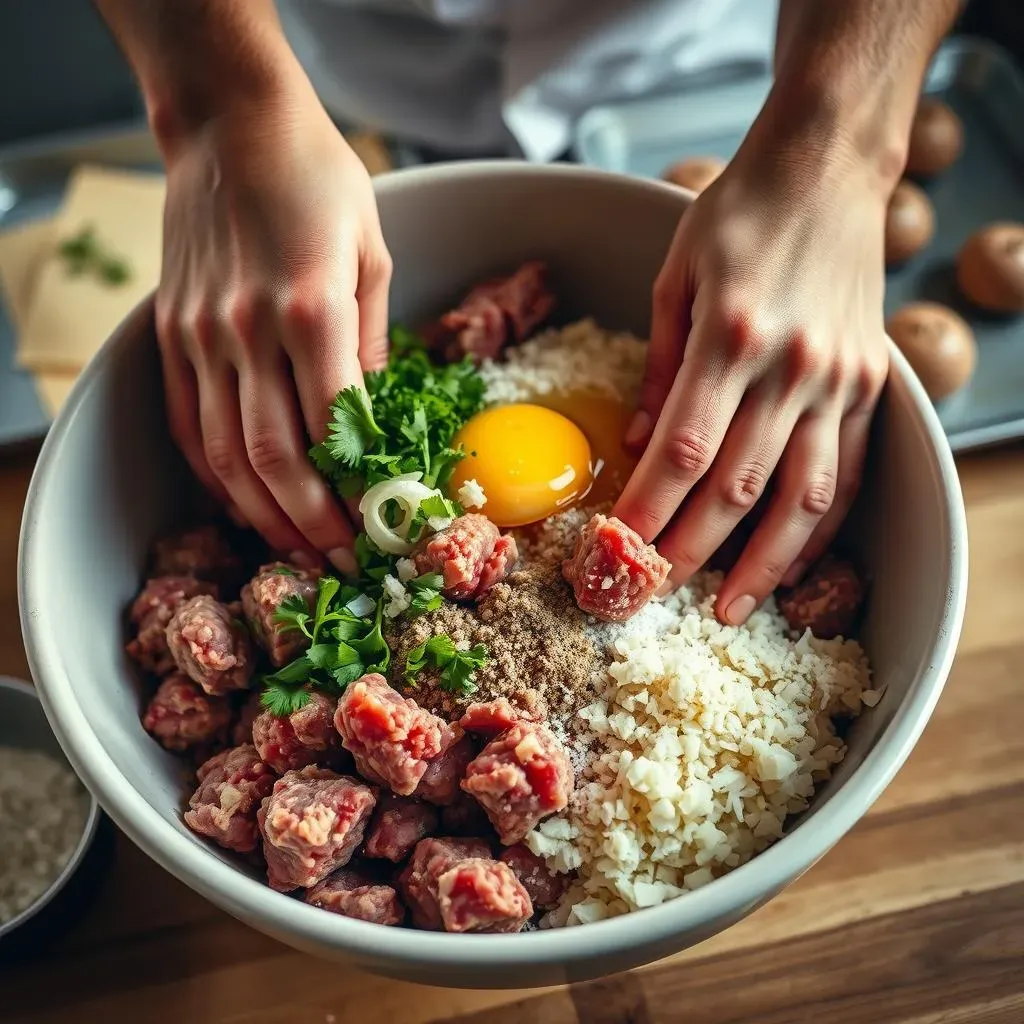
530	461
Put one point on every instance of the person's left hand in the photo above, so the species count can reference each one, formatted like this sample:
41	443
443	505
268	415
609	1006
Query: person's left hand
767	358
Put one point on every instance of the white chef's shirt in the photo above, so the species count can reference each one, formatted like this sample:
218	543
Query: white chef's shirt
471	76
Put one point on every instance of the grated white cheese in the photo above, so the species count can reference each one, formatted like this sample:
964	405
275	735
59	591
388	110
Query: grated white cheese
471	494
580	357
406	569
398	596
707	738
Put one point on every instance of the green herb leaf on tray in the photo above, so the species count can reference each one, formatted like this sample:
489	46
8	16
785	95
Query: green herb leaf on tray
283	699
83	251
456	668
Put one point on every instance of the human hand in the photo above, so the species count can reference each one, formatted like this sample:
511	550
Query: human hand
767	358
273	297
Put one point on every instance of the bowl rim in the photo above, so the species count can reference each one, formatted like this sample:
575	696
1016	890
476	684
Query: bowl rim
742	889
85	840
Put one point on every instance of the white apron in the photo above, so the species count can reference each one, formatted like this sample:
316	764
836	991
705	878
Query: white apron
491	76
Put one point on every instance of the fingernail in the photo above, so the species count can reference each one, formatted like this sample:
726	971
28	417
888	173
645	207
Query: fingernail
794	574
302	559
638	430
343	560
740	610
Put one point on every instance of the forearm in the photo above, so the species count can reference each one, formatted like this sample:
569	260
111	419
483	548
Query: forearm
196	58
848	75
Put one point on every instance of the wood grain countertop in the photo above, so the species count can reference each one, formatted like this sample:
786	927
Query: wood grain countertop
916	917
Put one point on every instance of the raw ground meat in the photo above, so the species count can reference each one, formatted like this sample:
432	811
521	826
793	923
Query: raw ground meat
391	737
182	715
494	314
353	893
397	825
612	572
466	817
232	784
306	736
520	778
827	602
440	782
210	646
430	860
261	598
152	610
203	552
495	716
545	887
471	556
312	823
241	731
482	895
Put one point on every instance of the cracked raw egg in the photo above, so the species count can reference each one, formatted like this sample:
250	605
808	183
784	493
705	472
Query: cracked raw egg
530	461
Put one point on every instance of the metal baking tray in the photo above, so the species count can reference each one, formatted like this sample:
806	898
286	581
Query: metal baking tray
986	88
32	180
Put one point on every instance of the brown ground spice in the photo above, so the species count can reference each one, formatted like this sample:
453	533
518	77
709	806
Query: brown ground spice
537	638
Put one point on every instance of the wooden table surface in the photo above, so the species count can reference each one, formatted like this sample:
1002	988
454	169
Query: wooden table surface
916	917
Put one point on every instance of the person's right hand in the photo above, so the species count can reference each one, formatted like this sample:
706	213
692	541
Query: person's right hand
273	297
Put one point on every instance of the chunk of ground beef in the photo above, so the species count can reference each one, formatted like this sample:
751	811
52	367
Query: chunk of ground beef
828	601
482	895
612	572
210	646
306	736
391	737
232	784
182	715
493	717
354	893
263	595
312	823
430	860
466	817
203	552
251	709
440	784
152	610
544	886
471	556
397	825
493	315
520	778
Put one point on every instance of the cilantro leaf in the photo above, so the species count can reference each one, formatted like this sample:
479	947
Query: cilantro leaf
425	594
352	429
457	668
282	699
293	613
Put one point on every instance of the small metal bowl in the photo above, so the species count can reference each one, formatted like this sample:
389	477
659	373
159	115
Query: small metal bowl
23	724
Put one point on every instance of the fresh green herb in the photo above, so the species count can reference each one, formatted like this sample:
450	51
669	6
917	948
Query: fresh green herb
456	668
282	699
83	252
425	594
283	570
403	423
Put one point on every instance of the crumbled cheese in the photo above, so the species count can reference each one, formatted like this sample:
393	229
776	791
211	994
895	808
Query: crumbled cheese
406	569
471	495
398	596
708	737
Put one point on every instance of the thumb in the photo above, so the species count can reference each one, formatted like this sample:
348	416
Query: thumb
372	299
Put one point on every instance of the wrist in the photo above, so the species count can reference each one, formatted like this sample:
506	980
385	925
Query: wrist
180	106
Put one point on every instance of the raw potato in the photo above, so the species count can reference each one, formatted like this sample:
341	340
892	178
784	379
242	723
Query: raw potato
696	173
909	223
990	268
938	344
936	139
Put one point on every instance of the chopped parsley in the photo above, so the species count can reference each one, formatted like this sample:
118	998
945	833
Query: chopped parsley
83	252
456	668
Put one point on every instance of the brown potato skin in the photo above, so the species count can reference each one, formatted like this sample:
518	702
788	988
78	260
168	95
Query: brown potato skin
990	268
909	223
938	344
936	139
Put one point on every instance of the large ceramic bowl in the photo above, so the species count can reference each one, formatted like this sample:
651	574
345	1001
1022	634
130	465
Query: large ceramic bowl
108	481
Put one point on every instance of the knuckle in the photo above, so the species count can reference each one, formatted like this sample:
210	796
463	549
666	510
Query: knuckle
200	324
306	309
818	495
664	292
378	264
688	452
269	454
745	340
743	489
242	312
220	456
806	357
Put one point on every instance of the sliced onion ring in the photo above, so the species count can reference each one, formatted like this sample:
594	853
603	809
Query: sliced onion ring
408	492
